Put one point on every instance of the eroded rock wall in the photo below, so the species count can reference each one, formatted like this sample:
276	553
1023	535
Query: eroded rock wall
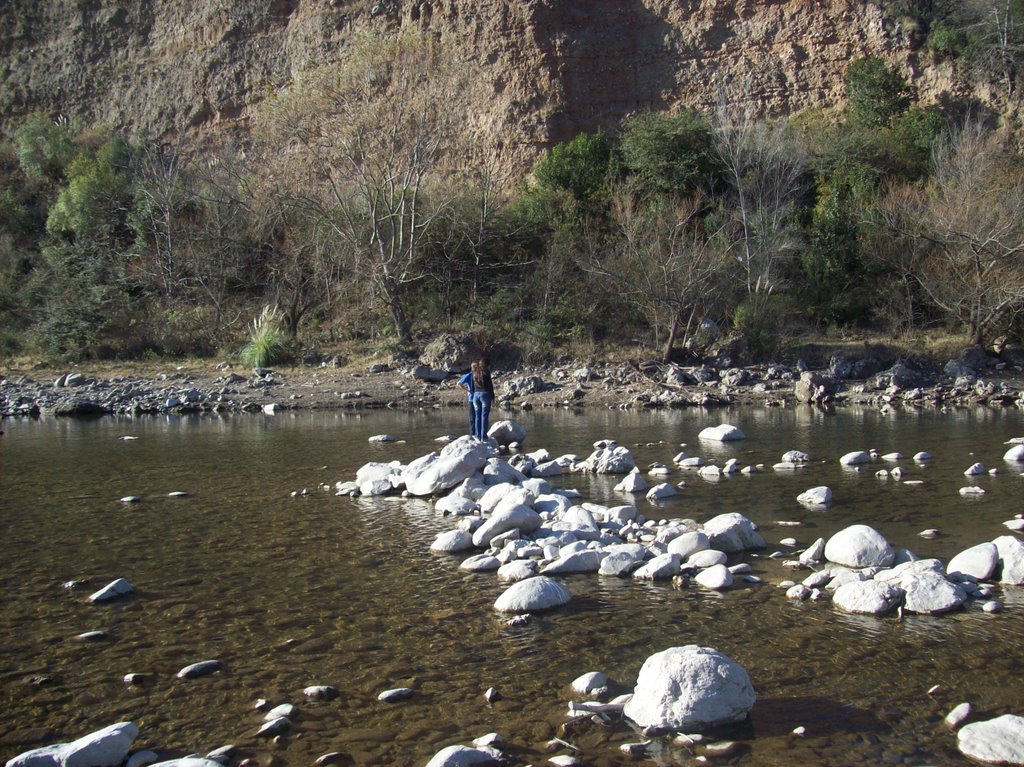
197	70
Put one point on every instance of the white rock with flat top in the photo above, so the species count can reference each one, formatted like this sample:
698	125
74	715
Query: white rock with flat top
867	597
859	546
997	741
931	595
661	491
978	561
722	433
689	689
452	541
517	570
539	593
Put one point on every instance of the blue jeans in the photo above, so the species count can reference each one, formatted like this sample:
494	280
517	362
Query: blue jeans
481	413
472	416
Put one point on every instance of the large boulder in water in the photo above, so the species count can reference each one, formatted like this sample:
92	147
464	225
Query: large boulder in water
506	432
997	741
613	459
978	562
859	546
690	688
722	433
867	597
732	532
1011	559
102	748
538	593
458	461
513	517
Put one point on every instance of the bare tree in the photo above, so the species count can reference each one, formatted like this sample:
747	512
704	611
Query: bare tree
996	25
372	133
661	259
164	192
765	171
961	237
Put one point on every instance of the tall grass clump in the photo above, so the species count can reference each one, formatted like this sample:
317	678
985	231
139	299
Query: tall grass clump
266	345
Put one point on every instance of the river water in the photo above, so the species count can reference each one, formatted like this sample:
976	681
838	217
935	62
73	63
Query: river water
295	591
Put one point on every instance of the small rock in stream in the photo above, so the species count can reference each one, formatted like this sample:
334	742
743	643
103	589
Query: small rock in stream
397	694
202	668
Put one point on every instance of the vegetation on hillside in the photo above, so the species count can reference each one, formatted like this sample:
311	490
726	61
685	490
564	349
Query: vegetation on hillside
362	210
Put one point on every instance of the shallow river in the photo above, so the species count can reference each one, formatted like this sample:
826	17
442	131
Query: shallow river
295	591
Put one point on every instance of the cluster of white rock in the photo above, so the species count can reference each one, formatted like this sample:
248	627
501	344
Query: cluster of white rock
866	575
513	522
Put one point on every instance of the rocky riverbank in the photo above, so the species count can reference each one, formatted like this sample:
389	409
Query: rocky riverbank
974	378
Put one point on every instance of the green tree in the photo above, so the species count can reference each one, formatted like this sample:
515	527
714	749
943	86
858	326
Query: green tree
579	167
669	154
875	93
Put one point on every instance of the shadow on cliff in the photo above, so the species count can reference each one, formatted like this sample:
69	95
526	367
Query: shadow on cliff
608	59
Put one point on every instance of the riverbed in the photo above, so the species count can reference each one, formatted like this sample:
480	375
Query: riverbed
290	589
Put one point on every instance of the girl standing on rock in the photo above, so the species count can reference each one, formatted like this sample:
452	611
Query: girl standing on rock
483	396
466	382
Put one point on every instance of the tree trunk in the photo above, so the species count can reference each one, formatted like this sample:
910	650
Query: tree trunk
395	304
666	356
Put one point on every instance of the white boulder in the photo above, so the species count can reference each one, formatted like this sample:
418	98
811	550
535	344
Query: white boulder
716	578
462	756
661	568
452	541
855	458
732	532
867	597
690	688
689	543
632	483
1015	454
456	462
1011	559
101	748
978	561
517	570
859	546
516	517
588	561
613	459
658	492
997	741
931	595
506	432
112	590
539	593
722	433
816	496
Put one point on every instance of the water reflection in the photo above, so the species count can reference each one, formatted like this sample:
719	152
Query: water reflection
320	589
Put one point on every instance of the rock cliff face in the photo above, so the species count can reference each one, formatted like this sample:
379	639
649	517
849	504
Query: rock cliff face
195	70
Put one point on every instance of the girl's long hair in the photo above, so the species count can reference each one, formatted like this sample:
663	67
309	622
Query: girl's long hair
479	372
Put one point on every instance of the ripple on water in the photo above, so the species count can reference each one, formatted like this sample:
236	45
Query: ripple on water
290	592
